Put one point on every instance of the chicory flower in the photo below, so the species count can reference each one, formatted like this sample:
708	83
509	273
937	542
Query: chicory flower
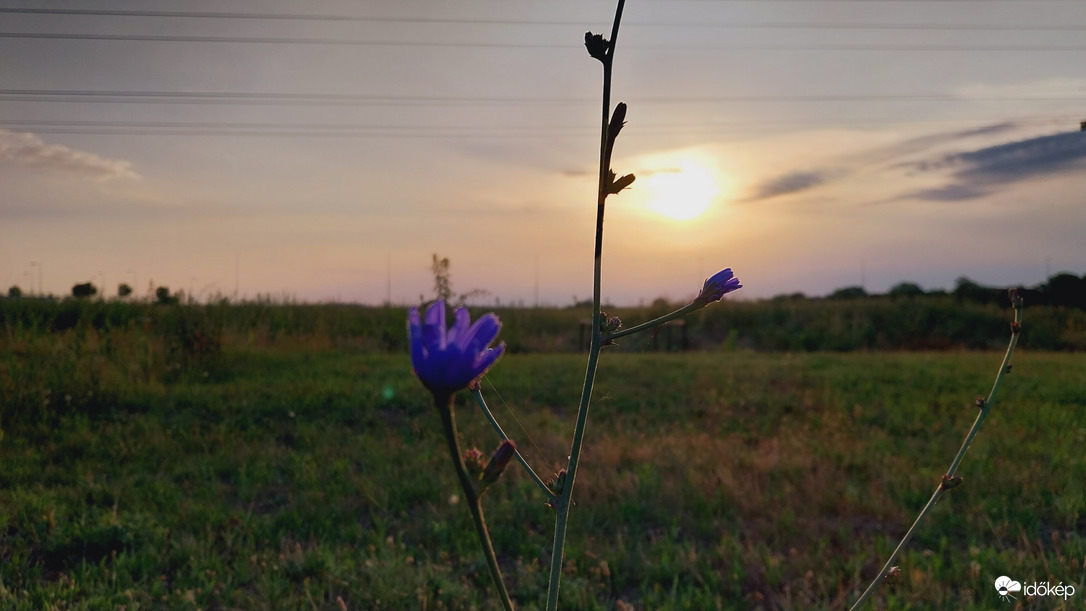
447	360
718	285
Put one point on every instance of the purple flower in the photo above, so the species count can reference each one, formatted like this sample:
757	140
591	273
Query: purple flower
448	360
718	285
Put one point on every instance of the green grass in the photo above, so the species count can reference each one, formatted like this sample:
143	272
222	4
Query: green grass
289	478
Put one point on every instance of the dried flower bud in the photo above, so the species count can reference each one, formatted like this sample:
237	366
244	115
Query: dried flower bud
618	119
558	482
951	482
473	460
619	184
609	324
596	45
498	462
1016	297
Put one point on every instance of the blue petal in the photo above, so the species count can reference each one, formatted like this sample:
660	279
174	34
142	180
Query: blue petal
433	330
460	327
481	334
486	359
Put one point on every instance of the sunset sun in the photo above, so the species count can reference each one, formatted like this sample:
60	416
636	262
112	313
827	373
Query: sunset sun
682	193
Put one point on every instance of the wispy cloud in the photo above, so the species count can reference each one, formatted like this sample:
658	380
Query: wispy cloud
791	182
30	150
976	173
1016	160
972	173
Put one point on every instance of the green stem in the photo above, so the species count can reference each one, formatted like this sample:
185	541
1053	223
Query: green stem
947	479
444	406
564	501
497	427
656	322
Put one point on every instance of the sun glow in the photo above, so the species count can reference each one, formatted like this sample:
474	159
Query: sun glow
684	192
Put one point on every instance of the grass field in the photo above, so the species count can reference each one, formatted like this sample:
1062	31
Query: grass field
293	478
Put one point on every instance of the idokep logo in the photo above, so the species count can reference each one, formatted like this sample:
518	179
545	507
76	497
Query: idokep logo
1005	586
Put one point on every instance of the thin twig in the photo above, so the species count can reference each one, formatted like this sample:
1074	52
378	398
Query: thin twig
951	479
656	322
478	394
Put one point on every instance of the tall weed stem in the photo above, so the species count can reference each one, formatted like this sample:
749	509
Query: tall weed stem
951	479
564	501
444	404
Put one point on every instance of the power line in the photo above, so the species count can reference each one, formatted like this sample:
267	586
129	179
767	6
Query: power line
564	23
518	45
319	99
177	128
230	97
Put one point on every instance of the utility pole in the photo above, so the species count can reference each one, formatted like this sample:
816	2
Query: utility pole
388	282
37	264
537	280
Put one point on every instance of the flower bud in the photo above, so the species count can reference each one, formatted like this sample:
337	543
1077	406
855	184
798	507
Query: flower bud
596	45
718	285
473	461
609	324
619	184
558	482
498	462
618	119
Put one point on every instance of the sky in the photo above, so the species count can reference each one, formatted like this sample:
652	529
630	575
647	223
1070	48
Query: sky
325	151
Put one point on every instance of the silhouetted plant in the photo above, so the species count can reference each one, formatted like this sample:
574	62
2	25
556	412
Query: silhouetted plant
439	267
123	290
15	292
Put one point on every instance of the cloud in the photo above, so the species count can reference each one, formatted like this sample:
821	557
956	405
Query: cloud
950	193
976	172
28	149
789	183
873	159
1023	159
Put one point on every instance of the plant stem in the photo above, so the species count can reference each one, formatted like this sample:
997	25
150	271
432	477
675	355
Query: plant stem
656	322
497	427
444	406
947	483
565	498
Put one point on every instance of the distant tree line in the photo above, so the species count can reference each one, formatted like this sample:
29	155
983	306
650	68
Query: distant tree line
1063	289
87	290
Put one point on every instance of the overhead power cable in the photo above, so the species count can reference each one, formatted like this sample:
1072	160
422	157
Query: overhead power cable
254	16
178	128
322	99
521	45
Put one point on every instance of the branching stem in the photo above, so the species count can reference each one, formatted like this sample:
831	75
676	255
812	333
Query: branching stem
478	394
948	480
656	322
564	500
